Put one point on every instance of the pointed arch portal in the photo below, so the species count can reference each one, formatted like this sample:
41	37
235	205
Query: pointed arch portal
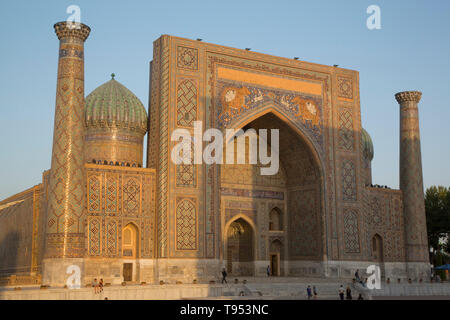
298	189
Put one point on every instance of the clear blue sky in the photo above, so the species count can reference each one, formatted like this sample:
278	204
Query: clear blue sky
410	52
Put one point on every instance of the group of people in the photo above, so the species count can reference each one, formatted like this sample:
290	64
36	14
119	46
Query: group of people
361	280
225	274
311	293
348	294
97	285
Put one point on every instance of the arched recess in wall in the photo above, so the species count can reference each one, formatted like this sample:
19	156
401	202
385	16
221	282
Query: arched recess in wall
275	219
240	246
305	187
130	241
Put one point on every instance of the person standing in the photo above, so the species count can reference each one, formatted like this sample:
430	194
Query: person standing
224	276
315	292
357	275
100	285
308	292
348	293
341	292
268	271
95	285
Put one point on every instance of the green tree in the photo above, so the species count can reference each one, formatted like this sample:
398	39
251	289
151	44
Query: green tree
437	207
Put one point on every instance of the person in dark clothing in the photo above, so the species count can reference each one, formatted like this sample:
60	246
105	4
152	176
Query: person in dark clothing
357	276
348	293
308	292
268	271
360	297
224	276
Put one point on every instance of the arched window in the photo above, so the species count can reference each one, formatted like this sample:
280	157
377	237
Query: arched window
130	241
275	220
377	248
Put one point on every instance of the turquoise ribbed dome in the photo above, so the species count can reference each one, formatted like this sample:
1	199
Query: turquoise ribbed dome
113	105
367	144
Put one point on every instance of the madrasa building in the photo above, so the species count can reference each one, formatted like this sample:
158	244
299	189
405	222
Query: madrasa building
99	208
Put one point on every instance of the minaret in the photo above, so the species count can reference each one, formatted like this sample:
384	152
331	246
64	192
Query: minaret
66	194
411	184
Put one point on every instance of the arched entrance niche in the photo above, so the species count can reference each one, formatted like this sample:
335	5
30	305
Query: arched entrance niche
276	257
130	251
240	249
297	188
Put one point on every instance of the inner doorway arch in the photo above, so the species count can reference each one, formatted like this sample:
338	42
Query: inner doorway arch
240	249
130	252
276	255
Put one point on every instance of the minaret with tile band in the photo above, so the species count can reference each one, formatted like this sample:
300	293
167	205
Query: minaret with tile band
411	179
66	194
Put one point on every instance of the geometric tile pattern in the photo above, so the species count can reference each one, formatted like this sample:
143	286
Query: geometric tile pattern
376	215
131	196
111	238
186	175
348	180
186	225
163	148
384	216
346	134
152	138
411	179
244	174
345	88
94	194
147	240
187	58
351	230
111	189
65	215
94	237
186	103
304	228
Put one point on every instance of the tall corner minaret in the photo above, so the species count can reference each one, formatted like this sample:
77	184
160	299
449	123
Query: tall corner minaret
411	184
66	199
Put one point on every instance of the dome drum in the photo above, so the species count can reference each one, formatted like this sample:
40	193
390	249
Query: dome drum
115	146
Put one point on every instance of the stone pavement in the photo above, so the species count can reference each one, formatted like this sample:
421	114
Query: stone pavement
254	288
261	288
